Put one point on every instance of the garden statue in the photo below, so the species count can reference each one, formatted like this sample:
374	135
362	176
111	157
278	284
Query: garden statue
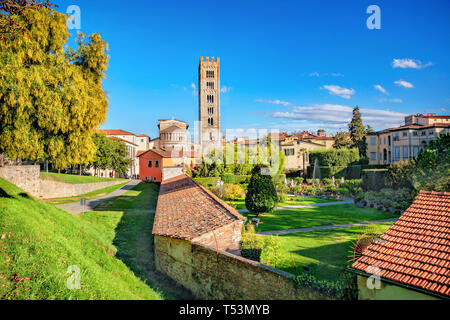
219	186
333	181
342	180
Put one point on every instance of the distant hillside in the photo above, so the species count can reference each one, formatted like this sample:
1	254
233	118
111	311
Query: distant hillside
38	242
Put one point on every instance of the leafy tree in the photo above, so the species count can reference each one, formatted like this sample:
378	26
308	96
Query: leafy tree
343	141
12	28
120	160
398	175
358	133
261	195
104	152
51	100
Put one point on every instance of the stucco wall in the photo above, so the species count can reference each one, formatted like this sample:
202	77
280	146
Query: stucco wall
217	275
388	292
54	189
25	177
171	172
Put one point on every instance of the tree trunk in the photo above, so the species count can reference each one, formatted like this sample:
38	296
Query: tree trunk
2	160
80	169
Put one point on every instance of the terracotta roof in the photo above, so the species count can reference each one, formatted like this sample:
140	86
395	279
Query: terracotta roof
116	132
143	136
415	251
412	126
139	153
186	210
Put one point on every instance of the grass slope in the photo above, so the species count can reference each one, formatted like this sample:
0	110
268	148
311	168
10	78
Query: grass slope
38	243
76	179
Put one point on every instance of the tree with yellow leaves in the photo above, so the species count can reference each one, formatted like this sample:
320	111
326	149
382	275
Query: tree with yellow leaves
51	98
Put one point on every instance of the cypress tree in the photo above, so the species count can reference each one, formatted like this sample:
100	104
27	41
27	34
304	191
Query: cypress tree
261	196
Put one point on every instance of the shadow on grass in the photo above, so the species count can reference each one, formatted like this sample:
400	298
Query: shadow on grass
134	241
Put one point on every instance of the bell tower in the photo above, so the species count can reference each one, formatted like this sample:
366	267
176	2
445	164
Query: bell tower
209	101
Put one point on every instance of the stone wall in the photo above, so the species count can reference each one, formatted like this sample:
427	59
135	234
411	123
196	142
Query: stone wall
54	189
25	177
227	238
215	274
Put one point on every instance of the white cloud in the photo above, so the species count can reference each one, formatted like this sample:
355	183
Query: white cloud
338	116
410	63
396	100
279	102
225	89
381	89
404	84
194	89
339	91
314	74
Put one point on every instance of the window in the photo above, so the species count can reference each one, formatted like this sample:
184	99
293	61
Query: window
150	164
154	178
289	152
415	133
157	164
405	134
384	140
210	98
210	85
210	121
210	73
396	137
405	153
372	141
416	151
373	156
424	133
397	153
431	133
211	110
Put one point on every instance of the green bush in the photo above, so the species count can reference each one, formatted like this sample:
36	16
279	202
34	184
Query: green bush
373	179
209	181
261	194
331	289
299	180
399	174
264	249
335	157
229	178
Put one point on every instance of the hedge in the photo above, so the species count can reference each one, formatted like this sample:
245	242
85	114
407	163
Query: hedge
349	173
335	157
374	179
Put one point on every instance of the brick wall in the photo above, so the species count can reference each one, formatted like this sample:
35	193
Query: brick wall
25	177
218	275
227	238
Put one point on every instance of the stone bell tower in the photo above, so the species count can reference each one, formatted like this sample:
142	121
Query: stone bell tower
209	102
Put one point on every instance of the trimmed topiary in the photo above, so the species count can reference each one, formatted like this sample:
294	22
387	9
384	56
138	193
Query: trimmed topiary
261	195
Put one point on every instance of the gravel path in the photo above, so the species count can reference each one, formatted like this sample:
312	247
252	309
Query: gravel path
76	207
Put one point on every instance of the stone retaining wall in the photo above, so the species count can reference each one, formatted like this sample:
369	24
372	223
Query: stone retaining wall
215	274
54	189
25	177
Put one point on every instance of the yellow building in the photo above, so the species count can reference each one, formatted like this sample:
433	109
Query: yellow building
297	153
404	143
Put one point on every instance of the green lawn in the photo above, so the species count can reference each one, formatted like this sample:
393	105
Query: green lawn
240	204
129	222
88	196
317	216
324	252
38	242
76	179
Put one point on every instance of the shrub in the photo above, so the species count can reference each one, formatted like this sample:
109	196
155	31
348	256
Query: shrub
335	157
373	179
327	181
261	195
229	178
264	249
398	175
331	289
310	190
353	186
232	192
252	246
299	180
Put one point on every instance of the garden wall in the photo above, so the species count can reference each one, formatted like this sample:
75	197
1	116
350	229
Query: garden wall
54	189
217	275
25	177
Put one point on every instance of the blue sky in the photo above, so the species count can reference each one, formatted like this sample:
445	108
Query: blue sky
291	65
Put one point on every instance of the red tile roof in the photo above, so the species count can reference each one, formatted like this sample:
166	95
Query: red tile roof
186	210
116	132
143	136
415	251
171	153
